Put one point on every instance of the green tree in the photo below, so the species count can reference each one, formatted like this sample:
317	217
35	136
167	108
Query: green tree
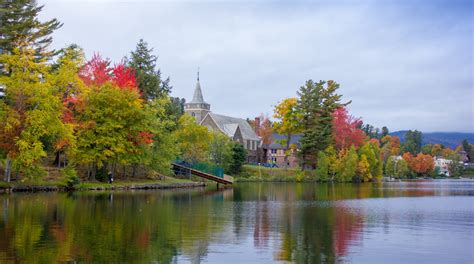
402	169
20	28
390	167
239	154
193	140
333	162
323	167
348	167
413	142
149	79
385	132
316	103
220	150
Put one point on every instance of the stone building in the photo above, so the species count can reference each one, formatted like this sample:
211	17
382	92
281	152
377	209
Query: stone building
237	129
274	153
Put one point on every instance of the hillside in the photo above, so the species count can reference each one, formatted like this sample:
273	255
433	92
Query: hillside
448	139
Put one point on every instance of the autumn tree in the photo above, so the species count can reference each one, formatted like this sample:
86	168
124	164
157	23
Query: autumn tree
148	76
363	169
263	128
288	122
30	112
346	130
20	28
316	104
371	150
333	162
422	164
348	165
193	140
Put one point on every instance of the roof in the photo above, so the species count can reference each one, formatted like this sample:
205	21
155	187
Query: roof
197	98
276	139
229	126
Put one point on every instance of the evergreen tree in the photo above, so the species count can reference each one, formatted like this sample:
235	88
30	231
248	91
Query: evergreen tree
20	28
413	141
316	104
385	132
239	155
149	78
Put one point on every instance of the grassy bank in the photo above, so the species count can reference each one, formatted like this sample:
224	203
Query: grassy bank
118	185
252	173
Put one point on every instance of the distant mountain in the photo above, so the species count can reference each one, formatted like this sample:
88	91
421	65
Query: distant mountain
448	139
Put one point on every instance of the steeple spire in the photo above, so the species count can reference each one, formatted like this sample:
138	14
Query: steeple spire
198	75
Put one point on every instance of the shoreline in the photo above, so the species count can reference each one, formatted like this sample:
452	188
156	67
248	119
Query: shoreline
97	186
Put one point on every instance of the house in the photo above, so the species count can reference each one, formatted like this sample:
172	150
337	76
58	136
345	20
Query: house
443	165
237	129
274	153
2	91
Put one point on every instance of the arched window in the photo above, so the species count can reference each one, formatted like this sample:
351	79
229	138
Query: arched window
193	114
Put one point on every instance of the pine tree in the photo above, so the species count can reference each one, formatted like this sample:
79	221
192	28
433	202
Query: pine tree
238	158
316	104
149	78
20	28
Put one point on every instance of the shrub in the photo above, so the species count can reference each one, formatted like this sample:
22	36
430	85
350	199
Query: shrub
69	177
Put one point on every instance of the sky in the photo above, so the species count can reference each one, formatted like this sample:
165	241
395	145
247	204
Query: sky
404	64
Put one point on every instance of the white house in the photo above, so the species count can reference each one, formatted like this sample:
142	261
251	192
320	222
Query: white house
443	165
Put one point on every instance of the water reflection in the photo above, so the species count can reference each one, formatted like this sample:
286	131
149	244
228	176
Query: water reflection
303	223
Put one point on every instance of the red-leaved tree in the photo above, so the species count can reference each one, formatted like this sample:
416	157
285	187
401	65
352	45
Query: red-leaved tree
346	130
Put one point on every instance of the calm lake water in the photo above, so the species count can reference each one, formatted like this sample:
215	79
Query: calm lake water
409	222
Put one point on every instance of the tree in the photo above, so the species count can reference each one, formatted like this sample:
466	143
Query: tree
371	150
363	169
193	140
263	128
148	77
413	142
323	167
239	154
288	122
422	164
333	162
385	132
402	169
21	29
348	167
390	167
316	103
220	150
30	112
346	130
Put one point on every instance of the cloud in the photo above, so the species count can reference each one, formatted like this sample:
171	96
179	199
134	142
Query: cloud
404	64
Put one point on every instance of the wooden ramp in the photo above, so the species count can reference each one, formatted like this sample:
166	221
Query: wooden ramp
225	180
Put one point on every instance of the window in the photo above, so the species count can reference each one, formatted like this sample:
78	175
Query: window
274	151
274	159
193	114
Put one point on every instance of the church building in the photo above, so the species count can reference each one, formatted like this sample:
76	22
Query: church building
237	129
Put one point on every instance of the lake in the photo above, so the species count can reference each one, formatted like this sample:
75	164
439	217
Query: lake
399	222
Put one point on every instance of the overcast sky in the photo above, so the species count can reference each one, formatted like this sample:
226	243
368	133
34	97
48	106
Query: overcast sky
404	64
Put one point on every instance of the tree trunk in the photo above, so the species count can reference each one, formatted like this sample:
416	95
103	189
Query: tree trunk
123	171
57	160
114	165
134	167
8	169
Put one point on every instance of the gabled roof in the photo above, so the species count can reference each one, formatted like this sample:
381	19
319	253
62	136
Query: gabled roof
277	138
229	125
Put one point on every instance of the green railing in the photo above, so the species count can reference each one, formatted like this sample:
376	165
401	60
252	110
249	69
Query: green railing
208	168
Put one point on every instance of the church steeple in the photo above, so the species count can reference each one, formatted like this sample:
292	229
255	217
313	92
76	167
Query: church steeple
197	107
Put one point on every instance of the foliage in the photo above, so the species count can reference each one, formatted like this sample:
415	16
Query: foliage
263	128
346	130
193	140
288	122
323	166
317	101
413	142
70	178
422	164
148	77
348	165
363	169
239	154
20	29
220	150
